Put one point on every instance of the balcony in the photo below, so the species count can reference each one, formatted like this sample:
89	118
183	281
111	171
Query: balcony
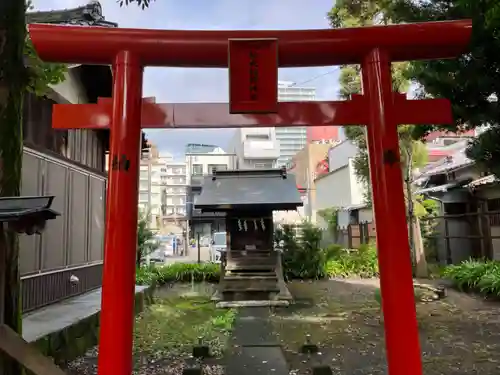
175	172
176	191
257	149
197	179
174	181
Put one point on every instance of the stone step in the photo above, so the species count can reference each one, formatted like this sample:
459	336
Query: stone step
250	288
252	261
246	295
268	285
253	276
249	276
251	303
250	254
252	273
250	267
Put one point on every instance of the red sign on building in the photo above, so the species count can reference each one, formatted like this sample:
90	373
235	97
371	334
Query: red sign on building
322	133
253	76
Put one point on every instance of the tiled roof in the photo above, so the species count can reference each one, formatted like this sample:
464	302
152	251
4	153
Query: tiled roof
248	189
487	180
457	160
86	15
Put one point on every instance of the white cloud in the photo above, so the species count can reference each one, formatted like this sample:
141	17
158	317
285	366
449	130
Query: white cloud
209	85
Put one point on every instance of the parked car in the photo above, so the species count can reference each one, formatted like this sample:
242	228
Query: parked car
217	246
205	241
157	256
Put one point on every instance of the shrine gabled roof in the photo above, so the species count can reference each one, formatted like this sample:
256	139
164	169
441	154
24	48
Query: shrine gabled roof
271	189
89	14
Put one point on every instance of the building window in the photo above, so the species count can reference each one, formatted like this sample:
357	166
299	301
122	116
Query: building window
175	170
143	197
263	165
257	137
176	201
217	167
197	169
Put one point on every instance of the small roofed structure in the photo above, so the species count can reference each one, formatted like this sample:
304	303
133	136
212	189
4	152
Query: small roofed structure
252	274
26	214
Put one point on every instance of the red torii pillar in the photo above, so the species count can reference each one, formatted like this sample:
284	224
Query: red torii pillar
130	50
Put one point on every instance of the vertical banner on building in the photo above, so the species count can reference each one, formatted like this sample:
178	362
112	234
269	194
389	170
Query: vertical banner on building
253	76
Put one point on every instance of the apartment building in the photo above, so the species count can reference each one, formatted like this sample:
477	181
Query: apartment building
292	139
201	160
152	167
255	148
174	183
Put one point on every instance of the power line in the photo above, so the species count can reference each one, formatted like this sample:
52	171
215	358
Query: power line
315	77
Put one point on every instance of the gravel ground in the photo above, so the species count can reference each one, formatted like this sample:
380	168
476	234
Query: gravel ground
460	334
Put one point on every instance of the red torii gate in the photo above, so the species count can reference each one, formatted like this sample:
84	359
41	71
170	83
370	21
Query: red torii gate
381	110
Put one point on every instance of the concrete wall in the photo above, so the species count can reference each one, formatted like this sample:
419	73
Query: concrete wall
340	187
339	155
334	189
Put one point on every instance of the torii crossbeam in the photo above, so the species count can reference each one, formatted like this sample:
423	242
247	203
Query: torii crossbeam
216	115
253	58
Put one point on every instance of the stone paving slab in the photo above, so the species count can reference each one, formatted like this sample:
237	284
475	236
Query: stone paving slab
255	348
258	360
57	317
253	328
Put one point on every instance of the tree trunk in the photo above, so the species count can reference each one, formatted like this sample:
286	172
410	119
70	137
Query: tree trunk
12	86
421	268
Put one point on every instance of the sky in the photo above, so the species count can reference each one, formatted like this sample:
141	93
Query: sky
177	85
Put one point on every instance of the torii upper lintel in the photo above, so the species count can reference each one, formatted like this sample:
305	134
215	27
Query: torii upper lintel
208	49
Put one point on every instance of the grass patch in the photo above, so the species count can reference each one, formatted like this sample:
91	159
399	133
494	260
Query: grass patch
178	273
170	327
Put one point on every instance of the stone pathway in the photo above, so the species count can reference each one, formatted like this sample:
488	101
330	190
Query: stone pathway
254	347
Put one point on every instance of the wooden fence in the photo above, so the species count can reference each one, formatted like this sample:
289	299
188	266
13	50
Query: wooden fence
457	237
350	237
448	239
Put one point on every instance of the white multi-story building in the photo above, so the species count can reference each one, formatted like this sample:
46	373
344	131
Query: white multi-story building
292	140
255	148
201	160
152	168
174	182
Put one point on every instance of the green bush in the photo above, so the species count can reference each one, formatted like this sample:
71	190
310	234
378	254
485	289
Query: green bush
360	262
481	276
333	252
178	272
302	257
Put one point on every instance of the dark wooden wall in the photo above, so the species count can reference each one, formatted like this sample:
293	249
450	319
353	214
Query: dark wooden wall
261	239
85	147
